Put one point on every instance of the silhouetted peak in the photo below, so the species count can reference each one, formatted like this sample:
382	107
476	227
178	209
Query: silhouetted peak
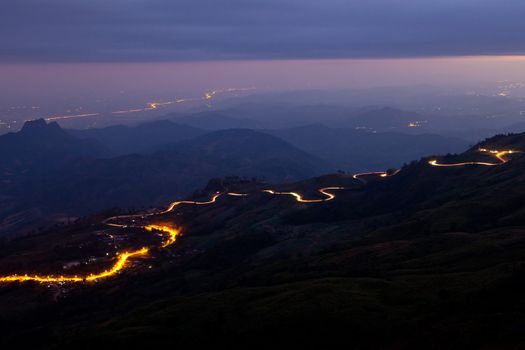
33	124
40	125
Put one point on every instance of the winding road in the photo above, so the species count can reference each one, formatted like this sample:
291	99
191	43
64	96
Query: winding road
172	233
121	262
500	156
361	176
299	198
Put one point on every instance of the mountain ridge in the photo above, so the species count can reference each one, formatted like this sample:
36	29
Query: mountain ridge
78	185
432	249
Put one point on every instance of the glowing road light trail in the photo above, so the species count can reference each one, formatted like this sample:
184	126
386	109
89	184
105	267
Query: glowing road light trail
500	155
383	174
359	175
130	111
207	96
169	209
210	95
123	258
151	106
173	205
299	198
234	194
119	265
450	165
74	116
172	233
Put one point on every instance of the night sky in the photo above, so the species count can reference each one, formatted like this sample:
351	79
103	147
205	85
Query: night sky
66	52
174	30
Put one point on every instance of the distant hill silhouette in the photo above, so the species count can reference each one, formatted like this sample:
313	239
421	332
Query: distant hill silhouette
360	150
40	146
287	116
382	119
142	138
218	121
78	184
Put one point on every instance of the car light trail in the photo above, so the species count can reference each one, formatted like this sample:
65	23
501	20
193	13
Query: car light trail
151	106
119	265
173	233
169	209
173	205
450	165
299	198
234	194
500	156
383	174
74	116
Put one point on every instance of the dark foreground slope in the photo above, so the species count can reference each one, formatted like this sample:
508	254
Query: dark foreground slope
429	258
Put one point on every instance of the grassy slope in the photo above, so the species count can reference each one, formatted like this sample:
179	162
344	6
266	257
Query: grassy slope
432	257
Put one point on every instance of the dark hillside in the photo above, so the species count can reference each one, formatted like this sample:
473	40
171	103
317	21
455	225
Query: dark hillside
429	258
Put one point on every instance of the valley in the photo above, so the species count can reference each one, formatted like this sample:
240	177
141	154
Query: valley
262	174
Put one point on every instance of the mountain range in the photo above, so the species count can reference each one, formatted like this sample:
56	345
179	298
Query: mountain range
39	147
357	150
428	257
50	174
47	171
143	138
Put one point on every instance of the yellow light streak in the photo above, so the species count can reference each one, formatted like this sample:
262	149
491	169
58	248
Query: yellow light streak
234	194
499	155
172	233
169	209
119	265
150	106
74	116
173	205
299	198
383	174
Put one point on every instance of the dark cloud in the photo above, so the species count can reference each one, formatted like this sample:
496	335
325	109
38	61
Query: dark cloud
172	30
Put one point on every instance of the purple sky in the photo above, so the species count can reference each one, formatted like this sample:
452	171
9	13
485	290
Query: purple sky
59	49
188	30
37	82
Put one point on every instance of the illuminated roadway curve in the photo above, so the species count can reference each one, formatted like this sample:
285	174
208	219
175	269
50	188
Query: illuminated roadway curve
299	198
500	156
383	174
123	258
172	233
